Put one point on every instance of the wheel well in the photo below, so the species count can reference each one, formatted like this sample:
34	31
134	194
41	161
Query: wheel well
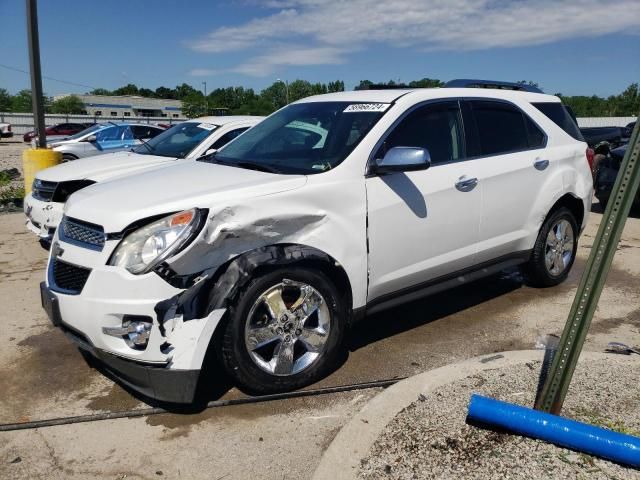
574	205
235	274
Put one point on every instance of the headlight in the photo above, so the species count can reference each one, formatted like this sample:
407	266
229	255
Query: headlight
143	249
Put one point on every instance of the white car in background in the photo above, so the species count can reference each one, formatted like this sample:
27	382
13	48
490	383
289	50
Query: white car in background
188	140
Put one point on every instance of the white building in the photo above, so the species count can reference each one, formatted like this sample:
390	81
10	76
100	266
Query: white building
128	106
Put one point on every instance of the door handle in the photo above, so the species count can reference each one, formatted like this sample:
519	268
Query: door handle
541	164
465	184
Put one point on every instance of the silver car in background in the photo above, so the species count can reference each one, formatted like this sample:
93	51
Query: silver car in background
104	138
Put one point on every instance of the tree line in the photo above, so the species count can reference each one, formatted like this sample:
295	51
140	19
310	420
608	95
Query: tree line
246	101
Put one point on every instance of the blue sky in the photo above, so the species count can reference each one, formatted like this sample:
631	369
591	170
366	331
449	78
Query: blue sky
575	47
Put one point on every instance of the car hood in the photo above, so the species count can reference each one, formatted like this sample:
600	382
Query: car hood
118	203
102	167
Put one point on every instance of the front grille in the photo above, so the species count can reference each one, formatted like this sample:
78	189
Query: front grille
43	190
69	278
83	233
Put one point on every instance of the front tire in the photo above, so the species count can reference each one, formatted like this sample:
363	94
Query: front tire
284	331
554	251
68	157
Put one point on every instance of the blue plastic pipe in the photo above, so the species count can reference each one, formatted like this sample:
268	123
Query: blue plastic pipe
621	448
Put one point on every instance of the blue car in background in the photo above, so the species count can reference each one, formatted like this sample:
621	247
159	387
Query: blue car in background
104	138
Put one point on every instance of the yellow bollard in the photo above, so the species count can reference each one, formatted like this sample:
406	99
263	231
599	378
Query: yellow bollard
36	159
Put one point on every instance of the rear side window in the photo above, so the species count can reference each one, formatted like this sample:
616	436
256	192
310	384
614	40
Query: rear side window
559	115
501	127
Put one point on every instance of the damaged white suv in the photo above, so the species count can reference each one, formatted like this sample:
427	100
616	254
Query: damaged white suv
335	206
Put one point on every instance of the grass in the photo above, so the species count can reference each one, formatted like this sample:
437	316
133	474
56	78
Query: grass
8	192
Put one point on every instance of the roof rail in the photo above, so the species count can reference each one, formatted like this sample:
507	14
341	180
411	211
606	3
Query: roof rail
471	83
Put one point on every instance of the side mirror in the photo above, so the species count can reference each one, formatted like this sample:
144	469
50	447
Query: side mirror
403	159
91	138
210	151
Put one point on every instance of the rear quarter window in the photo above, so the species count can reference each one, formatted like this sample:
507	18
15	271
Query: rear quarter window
558	114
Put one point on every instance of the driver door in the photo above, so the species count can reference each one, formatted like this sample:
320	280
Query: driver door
423	224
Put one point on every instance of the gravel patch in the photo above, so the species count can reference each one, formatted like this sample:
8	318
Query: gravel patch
430	439
11	153
10	161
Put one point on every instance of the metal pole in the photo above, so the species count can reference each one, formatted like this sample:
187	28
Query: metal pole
206	106
36	74
593	280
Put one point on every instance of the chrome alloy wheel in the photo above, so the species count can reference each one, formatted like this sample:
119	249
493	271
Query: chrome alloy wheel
559	248
287	328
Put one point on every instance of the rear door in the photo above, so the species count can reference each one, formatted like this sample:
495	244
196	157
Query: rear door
516	169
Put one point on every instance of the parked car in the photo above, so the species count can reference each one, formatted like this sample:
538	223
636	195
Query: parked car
606	174
594	135
5	130
266	251
104	138
190	140
59	130
628	130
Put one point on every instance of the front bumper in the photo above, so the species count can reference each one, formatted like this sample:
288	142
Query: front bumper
154	381
43	218
157	380
168	368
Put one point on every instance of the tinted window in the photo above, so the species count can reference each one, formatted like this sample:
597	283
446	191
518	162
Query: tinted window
561	117
227	137
501	127
534	134
438	128
141	132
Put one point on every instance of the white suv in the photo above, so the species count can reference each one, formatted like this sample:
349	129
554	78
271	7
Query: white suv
187	140
335	206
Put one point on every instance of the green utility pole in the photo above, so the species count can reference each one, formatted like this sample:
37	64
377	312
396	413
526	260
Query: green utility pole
593	280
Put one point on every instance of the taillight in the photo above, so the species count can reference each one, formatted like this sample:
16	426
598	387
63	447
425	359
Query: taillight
590	155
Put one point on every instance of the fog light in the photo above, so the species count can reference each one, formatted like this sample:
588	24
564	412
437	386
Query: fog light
135	331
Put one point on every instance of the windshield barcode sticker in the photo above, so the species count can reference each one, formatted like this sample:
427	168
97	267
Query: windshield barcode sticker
206	126
367	107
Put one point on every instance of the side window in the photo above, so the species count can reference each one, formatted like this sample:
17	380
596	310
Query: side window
500	126
227	137
534	134
107	134
562	116
115	133
436	127
141	132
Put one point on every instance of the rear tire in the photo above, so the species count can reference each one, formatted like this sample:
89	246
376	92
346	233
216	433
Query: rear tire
555	249
68	157
271	342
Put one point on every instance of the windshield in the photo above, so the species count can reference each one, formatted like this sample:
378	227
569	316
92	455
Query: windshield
303	138
178	141
91	129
